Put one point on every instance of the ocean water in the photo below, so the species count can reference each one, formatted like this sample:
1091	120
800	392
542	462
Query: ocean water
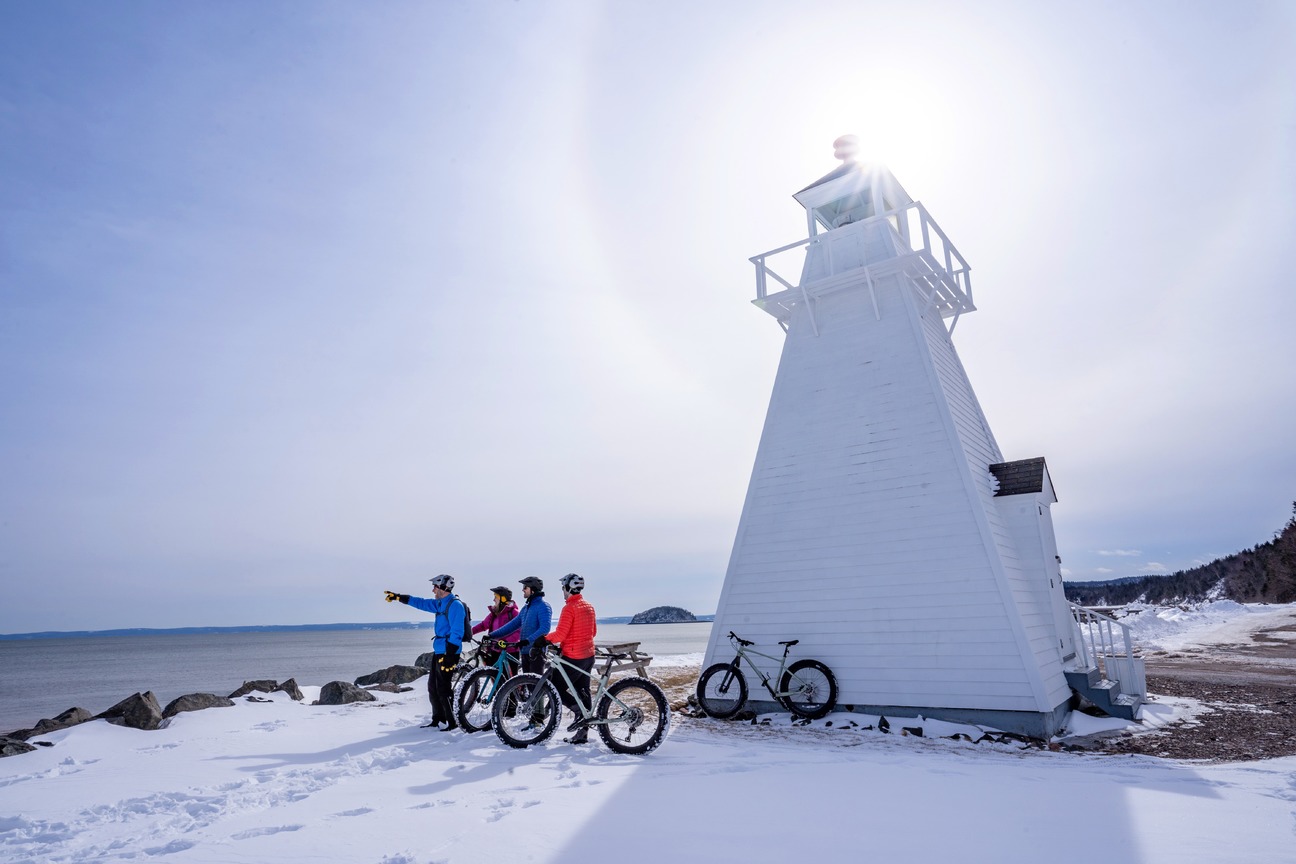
44	677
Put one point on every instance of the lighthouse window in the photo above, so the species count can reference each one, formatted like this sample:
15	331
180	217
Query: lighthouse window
852	208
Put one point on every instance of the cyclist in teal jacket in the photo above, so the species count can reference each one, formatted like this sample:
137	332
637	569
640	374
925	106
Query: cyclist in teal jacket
447	644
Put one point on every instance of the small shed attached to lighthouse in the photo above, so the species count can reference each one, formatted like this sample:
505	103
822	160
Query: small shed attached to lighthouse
883	527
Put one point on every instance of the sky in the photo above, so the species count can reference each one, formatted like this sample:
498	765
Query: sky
300	302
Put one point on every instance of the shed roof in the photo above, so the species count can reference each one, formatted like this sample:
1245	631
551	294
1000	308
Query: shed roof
1022	477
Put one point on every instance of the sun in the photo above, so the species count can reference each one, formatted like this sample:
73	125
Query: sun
911	126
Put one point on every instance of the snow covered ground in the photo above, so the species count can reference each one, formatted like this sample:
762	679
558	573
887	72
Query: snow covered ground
290	782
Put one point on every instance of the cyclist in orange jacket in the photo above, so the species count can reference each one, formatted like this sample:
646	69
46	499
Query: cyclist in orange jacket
575	636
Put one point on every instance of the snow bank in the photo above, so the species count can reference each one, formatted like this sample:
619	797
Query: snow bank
1215	623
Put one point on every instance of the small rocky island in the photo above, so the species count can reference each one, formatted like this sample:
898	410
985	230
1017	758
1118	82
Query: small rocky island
664	615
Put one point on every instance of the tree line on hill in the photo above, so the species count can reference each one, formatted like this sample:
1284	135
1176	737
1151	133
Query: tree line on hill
1265	573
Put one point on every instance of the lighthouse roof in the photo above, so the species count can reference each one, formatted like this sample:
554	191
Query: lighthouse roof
840	171
852	192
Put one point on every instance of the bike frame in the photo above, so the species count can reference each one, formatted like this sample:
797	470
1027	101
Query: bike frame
501	667
590	717
744	650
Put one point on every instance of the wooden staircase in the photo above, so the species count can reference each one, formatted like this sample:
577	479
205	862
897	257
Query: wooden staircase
1106	669
1105	693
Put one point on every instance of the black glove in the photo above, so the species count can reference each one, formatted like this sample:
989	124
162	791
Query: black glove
450	659
389	596
537	649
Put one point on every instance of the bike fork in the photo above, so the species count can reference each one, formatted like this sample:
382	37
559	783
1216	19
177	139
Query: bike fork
728	680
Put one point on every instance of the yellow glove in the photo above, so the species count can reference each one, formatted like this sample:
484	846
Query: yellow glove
389	596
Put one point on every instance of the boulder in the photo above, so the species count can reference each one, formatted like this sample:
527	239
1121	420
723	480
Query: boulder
267	685
195	702
137	711
13	746
424	661
342	693
70	717
290	687
389	688
262	686
392	675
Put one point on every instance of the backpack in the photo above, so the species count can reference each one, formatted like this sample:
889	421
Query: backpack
467	631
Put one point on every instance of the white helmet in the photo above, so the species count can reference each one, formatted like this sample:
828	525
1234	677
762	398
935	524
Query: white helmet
572	584
445	582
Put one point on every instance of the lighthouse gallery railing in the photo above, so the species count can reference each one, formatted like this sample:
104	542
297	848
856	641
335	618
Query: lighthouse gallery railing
908	224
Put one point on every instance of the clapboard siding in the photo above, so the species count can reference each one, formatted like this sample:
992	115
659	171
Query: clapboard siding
1027	584
870	531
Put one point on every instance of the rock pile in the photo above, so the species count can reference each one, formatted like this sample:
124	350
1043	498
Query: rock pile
141	710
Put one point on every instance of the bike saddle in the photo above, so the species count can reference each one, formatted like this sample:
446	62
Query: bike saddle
790	642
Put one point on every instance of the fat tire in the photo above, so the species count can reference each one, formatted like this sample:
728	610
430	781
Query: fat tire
473	698
649	712
512	730
816	689
463	668
721	705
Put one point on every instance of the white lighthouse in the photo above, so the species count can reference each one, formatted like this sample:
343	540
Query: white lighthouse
882	526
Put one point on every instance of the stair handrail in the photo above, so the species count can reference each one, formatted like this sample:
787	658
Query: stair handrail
1095	635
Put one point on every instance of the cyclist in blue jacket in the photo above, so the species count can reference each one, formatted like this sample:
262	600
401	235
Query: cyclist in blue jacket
447	644
534	621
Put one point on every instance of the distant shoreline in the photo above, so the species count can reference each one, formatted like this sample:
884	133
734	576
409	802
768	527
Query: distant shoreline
264	628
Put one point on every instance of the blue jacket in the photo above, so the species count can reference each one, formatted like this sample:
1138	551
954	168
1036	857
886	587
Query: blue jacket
534	620
448	624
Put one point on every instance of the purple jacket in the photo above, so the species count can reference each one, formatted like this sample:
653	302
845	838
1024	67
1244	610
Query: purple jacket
496	619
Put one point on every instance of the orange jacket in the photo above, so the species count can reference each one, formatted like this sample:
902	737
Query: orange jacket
576	629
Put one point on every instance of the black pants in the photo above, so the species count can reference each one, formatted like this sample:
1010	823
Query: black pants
580	683
535	665
440	692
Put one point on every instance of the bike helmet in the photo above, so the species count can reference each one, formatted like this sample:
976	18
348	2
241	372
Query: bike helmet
445	582
534	583
573	584
506	593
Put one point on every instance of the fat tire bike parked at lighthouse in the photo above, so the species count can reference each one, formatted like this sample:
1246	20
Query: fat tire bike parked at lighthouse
807	688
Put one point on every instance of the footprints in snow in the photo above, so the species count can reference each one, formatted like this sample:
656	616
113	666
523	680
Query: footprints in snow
269	726
262	832
503	806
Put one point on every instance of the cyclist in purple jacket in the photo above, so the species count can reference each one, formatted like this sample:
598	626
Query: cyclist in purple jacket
501	612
